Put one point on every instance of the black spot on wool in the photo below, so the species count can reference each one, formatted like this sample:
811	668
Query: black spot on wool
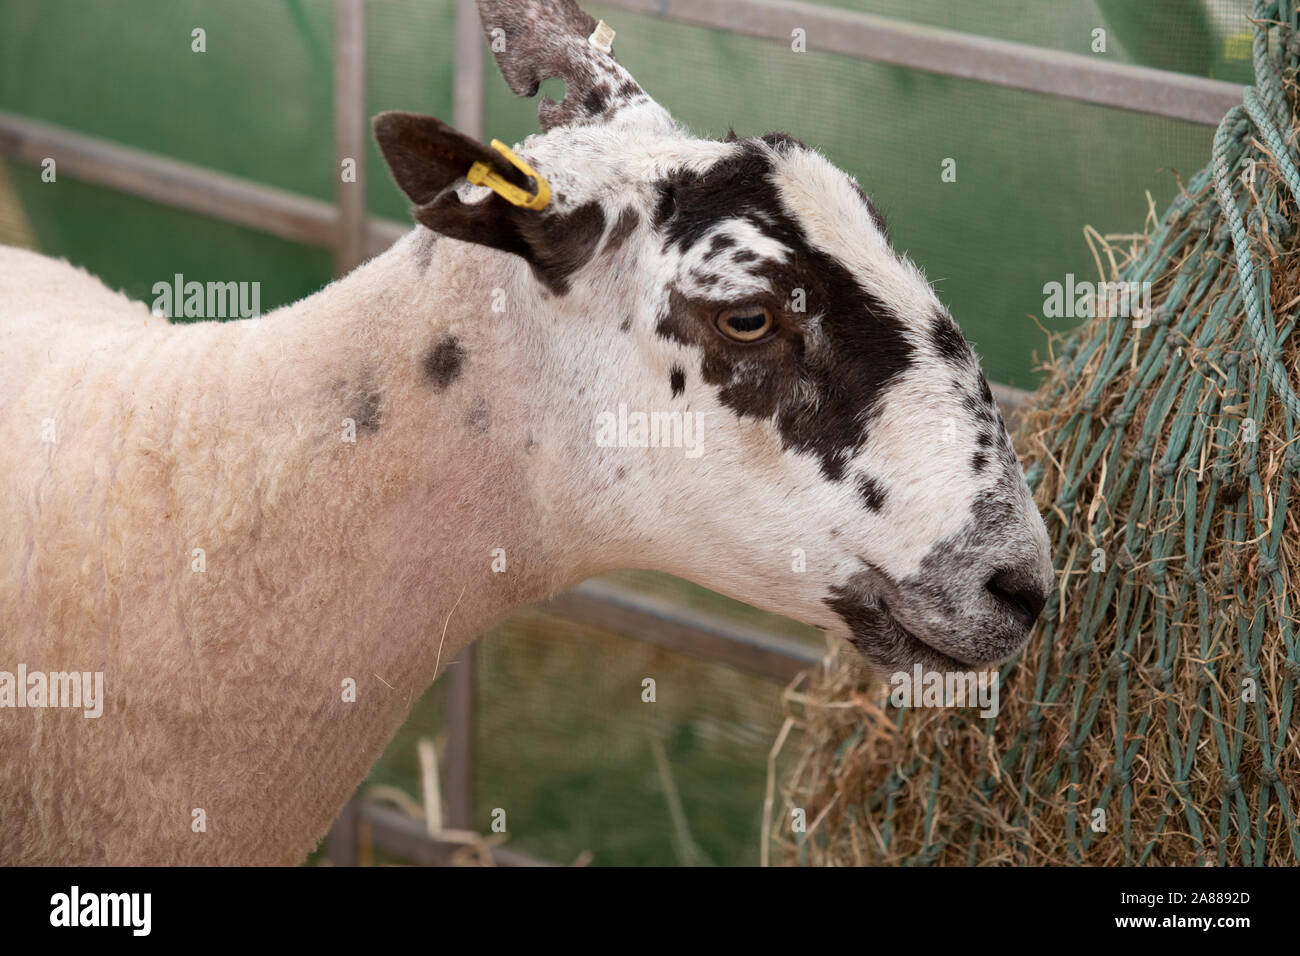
442	365
677	380
479	416
823	403
368	413
362	399
425	246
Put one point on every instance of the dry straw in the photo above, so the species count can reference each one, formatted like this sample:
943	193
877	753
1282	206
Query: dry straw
1153	718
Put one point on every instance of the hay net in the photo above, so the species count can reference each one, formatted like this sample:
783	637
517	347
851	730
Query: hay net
1152	718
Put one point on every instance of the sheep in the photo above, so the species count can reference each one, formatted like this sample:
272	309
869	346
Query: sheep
270	535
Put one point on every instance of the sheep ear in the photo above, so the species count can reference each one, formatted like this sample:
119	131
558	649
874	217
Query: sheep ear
427	158
426	155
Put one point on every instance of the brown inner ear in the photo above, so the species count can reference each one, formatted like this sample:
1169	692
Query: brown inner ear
426	155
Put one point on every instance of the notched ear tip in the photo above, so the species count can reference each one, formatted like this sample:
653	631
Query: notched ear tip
533	42
523	79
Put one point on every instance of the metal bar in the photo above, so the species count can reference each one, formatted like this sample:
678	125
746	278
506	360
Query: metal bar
702	634
468	81
952	53
186	186
398	834
342	843
460	762
168	181
383	233
350	132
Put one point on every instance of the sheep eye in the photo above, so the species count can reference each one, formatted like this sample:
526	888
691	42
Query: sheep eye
747	323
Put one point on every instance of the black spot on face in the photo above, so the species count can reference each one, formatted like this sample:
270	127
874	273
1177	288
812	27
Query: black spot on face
949	342
873	494
623	227
719	243
677	380
823	402
981	411
442	365
707	279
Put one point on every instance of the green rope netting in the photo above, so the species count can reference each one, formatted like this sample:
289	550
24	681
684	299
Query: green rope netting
1199	400
1149	720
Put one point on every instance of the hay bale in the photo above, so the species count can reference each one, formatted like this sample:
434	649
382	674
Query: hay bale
1153	717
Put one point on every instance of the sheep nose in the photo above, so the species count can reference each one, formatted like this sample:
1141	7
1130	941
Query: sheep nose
1021	592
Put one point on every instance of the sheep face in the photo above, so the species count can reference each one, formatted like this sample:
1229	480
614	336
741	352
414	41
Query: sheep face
758	393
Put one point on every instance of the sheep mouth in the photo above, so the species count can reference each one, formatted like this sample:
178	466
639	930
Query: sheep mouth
887	645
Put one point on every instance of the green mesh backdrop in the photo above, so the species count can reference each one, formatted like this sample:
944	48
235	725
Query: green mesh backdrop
566	746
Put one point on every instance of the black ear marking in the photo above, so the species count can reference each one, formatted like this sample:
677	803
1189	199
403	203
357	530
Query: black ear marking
426	155
485	222
427	158
562	243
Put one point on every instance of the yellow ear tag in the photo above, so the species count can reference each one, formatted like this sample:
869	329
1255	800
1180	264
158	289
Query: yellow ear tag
480	174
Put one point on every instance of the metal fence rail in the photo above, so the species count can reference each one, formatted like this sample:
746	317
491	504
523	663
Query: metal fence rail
345	228
950	53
